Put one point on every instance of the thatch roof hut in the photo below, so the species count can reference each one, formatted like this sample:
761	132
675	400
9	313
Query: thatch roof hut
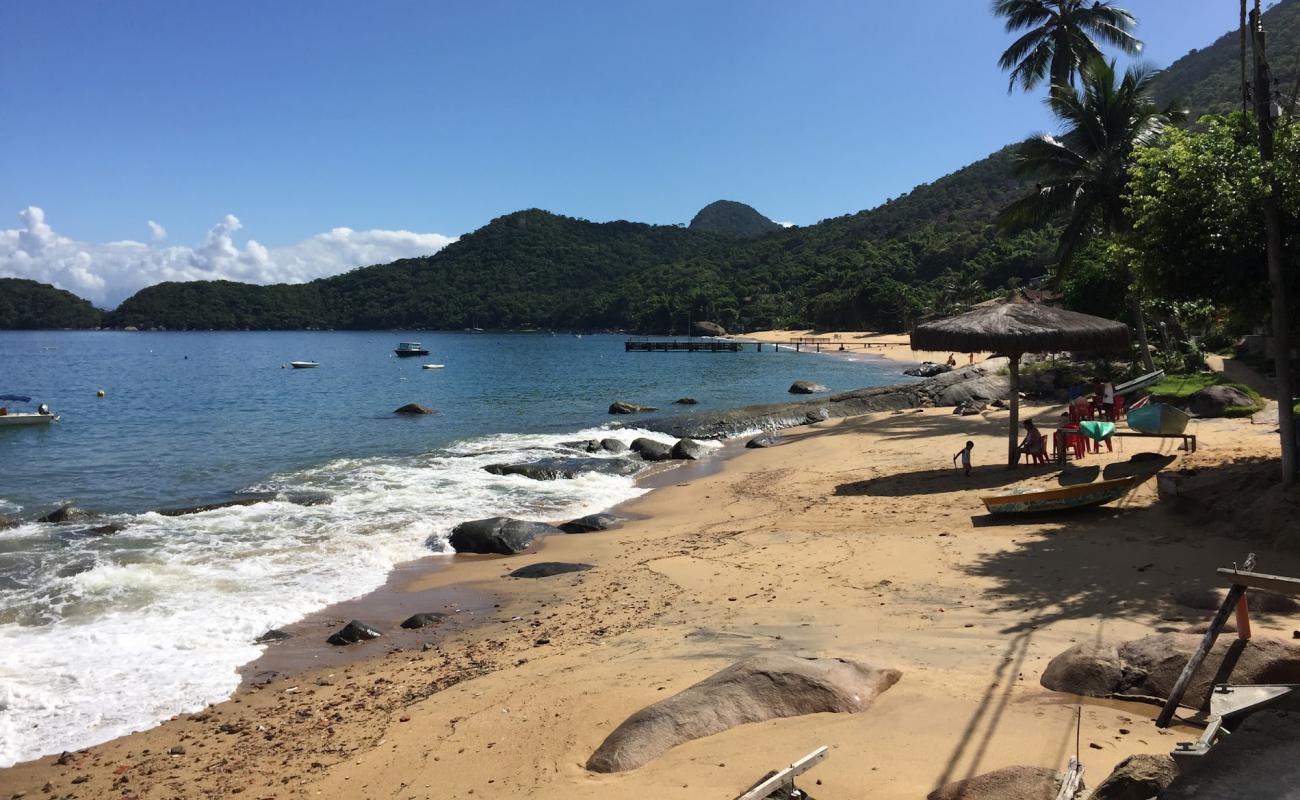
1014	329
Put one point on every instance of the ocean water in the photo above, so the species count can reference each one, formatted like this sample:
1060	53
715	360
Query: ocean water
101	635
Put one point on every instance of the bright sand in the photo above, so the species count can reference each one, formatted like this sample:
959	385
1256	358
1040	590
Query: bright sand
894	346
857	538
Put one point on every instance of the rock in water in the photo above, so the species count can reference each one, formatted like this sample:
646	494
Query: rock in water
591	523
651	450
806	387
417	621
545	569
612	446
759	688
763	441
500	535
547	469
620	407
1138	777
686	401
1008	783
273	635
355	631
413	408
1151	665
67	513
689	449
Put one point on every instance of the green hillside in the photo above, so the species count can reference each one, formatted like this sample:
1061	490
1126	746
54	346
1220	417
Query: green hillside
732	218
1208	81
926	252
28	304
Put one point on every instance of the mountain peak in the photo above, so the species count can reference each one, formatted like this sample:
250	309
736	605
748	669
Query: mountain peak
733	219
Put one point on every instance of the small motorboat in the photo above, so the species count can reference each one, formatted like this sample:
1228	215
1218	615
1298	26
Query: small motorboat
408	349
13	419
432	366
304	364
1033	501
1160	418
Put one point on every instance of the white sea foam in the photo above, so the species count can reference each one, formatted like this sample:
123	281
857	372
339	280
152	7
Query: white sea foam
114	634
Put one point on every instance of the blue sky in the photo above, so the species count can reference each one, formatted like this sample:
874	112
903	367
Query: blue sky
434	117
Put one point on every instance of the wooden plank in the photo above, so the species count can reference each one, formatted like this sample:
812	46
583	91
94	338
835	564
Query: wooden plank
1202	650
1071	781
786	776
1258	580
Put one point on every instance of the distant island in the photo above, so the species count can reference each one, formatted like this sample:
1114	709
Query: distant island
926	252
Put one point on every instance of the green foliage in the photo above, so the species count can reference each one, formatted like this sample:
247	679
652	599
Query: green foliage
1061	37
1175	388
732	218
27	304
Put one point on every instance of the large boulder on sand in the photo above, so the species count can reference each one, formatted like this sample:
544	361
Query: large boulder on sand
1214	401
621	407
807	387
1150	666
500	535
651	450
355	631
1008	783
763	441
423	620
759	688
591	523
704	328
982	389
689	450
1138	777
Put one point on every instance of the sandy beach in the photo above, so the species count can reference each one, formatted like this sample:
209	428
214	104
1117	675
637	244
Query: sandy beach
894	346
856	538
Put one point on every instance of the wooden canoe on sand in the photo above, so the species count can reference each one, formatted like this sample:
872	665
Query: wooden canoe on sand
1028	501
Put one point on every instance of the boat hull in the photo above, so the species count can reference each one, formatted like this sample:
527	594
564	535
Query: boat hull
20	420
410	353
1066	497
1159	418
304	364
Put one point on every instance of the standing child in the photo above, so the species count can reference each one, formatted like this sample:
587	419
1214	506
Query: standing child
965	457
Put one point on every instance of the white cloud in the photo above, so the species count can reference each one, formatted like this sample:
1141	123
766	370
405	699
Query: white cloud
108	272
785	224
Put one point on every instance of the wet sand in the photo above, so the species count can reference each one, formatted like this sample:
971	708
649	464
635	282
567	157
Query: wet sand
855	538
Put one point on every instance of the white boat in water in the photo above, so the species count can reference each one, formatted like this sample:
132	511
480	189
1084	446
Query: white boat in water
26	418
432	366
304	364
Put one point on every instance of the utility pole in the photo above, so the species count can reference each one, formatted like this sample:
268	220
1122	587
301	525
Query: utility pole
1245	92
1263	97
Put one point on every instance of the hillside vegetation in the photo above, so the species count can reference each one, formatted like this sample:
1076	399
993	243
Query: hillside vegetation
925	253
28	304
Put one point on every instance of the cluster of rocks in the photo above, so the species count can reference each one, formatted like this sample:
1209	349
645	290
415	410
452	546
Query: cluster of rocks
629	461
927	369
71	515
1138	777
507	536
358	631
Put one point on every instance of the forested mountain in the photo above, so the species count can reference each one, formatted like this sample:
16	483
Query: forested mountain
28	304
1208	81
926	252
732	218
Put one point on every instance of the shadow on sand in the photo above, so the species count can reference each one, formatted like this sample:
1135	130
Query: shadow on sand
941	481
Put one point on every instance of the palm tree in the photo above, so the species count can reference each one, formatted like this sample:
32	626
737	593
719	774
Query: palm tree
1083	174
1061	37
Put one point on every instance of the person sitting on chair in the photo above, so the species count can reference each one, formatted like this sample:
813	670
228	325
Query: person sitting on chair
1032	444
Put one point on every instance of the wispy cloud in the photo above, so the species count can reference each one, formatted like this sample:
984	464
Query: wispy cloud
108	272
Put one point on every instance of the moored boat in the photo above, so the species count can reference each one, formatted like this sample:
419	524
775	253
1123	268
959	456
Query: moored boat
432	366
1159	418
408	349
304	364
26	418
1030	501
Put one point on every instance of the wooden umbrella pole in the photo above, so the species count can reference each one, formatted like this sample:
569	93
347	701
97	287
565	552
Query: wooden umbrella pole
1012	449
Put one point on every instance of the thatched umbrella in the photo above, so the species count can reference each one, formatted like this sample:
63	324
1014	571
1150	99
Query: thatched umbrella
1014	329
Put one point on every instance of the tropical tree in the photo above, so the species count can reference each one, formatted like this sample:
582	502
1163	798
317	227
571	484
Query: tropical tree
1083	174
1061	38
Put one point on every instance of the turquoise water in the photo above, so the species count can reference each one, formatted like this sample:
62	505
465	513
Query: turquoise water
102	634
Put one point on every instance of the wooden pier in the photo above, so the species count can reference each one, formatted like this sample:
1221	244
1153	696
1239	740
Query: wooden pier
683	347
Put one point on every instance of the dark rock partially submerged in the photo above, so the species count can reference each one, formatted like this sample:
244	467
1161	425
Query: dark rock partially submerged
621	407
546	569
67	513
759	688
273	635
689	450
807	387
423	620
413	408
651	450
591	523
355	631
763	441
686	401
558	468
499	535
